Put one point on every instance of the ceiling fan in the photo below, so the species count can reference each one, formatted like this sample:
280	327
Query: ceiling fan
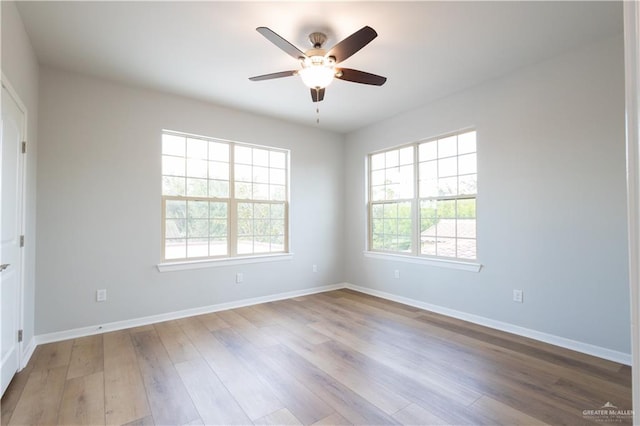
318	66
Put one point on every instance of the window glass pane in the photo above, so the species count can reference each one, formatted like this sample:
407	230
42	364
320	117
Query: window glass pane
218	188
446	247
173	185
197	247
392	192
245	245
468	184
277	211
448	186
197	228
377	193
446	209
466	248
392	175
197	187
377	177
466	208
218	228
447	167
467	142
197	148
175	228
277	227
243	190
406	181
245	227
428	246
377	161
198	209
277	176
447	147
197	168
428	151
260	157
446	228
406	155
173	145
173	165
176	209
377	210
466	228
277	159
218	170
218	210
260	191
277	193
428	188
218	246
243	173
245	210
467	164
175	248
277	243
428	170
392	158
219	152
242	155
261	174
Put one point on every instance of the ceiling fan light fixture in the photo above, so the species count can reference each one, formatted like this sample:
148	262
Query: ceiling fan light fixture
317	71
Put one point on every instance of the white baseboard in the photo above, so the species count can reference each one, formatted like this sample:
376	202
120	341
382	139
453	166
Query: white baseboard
27	352
136	322
598	351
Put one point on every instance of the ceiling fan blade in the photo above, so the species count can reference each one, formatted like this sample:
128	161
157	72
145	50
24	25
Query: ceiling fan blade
283	44
317	95
273	75
352	44
362	77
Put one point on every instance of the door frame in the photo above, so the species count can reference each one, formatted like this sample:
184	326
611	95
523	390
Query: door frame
632	108
22	213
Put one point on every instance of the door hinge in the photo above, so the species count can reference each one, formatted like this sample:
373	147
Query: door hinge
19	335
21	240
24	147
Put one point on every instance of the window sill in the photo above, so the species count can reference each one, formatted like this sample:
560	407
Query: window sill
440	263
214	263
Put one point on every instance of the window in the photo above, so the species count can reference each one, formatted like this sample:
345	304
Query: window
222	199
422	198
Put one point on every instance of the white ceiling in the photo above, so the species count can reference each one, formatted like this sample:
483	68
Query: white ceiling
207	50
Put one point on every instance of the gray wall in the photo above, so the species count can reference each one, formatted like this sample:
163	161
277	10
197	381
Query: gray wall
20	66
99	215
551	200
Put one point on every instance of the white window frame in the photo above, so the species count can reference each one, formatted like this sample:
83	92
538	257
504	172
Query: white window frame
232	256
415	255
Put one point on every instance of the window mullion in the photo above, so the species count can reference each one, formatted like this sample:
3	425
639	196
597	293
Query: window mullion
415	203
232	212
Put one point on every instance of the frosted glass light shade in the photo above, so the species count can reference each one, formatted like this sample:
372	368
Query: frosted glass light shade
317	76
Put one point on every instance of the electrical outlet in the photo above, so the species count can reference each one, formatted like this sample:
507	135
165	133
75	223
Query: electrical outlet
239	277
517	296
101	295
315	268
396	273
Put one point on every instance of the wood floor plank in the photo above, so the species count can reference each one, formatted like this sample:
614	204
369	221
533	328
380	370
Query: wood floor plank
214	402
86	356
281	417
13	393
302	403
252	333
124	392
168	399
176	343
503	414
334	419
41	396
347	403
255	397
212	321
145	421
83	401
414	414
301	329
379	395
53	355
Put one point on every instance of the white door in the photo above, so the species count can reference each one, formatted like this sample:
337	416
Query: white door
13	121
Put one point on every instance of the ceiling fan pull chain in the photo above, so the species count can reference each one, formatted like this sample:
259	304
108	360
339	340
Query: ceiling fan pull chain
317	107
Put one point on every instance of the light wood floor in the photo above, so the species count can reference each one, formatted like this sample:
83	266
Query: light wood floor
334	358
